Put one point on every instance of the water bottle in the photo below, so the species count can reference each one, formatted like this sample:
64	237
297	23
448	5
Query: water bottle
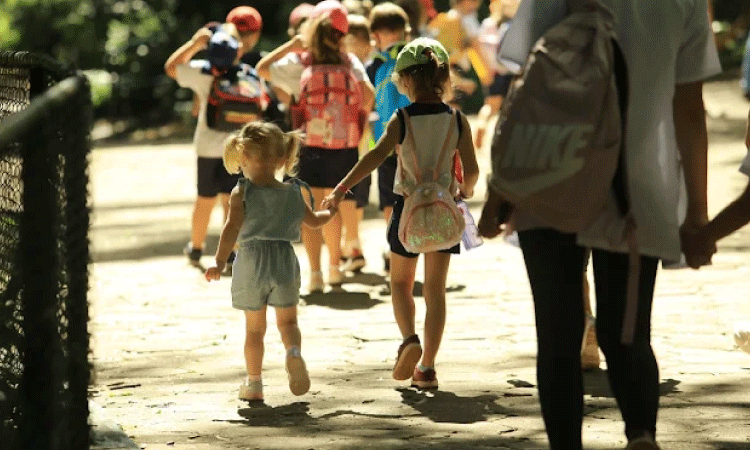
470	237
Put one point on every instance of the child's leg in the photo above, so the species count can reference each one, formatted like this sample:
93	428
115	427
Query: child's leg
403	270
255	330
435	275
286	321
201	216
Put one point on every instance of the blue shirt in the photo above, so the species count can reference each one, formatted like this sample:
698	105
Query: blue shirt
387	98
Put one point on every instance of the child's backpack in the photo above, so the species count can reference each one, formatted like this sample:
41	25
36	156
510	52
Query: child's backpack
430	220
558	148
237	97
329	109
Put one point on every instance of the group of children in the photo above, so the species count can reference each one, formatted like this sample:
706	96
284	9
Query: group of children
369	112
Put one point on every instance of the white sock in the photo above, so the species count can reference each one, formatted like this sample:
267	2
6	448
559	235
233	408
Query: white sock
423	368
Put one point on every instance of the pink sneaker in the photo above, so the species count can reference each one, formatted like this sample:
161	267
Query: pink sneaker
424	380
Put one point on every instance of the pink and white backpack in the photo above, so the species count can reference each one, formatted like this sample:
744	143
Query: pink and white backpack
431	220
329	109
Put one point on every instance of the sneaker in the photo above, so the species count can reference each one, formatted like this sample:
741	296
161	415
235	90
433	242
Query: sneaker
193	254
407	358
590	347
251	390
299	379
424	380
646	442
742	336
356	262
230	263
335	277
316	282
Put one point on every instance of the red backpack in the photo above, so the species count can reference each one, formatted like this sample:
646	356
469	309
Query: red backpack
329	109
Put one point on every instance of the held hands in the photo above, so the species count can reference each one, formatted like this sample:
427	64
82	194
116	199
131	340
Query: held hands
332	200
214	272
697	246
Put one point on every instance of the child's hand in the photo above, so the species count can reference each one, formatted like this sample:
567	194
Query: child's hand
202	36
465	191
214	272
298	43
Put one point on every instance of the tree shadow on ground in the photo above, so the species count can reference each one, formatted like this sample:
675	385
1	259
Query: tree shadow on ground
259	414
341	300
366	279
596	384
419	289
447	407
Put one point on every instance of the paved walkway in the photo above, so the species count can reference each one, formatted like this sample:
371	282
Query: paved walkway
167	345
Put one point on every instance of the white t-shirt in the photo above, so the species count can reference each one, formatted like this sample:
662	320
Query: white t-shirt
745	167
665	43
287	72
208	143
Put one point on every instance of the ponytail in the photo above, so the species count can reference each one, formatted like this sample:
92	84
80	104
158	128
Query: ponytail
292	141
232	155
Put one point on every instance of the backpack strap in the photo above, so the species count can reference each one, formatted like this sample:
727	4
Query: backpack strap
412	140
444	151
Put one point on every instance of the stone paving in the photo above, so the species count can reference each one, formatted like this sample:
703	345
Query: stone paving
167	346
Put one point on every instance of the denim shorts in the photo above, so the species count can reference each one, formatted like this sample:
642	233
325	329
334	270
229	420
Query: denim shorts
265	273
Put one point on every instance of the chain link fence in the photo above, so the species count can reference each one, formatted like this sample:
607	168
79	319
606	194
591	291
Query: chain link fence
45	121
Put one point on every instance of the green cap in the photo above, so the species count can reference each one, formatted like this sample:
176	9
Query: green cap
413	53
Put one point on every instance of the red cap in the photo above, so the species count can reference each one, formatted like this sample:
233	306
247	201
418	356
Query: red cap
302	11
245	18
429	8
335	11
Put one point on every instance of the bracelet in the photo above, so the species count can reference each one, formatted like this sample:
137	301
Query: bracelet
340	188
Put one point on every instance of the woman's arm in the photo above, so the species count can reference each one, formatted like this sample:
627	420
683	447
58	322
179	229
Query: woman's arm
368	95
185	53
263	68
692	142
228	234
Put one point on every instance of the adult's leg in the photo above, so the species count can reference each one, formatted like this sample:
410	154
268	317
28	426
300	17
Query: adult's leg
435	275
632	369
201	216
554	264
255	330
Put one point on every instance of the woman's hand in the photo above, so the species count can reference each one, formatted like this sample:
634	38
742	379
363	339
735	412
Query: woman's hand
332	200
490	223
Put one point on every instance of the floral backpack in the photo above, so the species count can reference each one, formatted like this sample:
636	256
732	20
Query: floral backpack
431	220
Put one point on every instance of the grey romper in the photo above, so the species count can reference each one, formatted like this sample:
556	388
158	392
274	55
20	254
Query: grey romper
266	271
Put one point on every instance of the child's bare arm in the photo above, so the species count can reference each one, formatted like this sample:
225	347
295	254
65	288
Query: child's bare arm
263	68
316	219
735	216
371	161
468	159
185	53
228	234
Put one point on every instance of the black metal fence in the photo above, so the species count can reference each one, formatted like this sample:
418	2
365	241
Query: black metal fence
45	121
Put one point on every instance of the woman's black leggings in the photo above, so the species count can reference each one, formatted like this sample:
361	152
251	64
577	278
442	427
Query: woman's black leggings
554	263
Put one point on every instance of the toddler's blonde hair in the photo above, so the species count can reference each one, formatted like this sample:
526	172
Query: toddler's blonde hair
265	140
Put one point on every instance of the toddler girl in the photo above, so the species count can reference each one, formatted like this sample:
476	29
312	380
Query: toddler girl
265	215
421	72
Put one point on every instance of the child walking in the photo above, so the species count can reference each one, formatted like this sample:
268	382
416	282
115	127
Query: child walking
422	73
265	216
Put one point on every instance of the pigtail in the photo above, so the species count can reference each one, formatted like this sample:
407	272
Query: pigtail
292	141
232	153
